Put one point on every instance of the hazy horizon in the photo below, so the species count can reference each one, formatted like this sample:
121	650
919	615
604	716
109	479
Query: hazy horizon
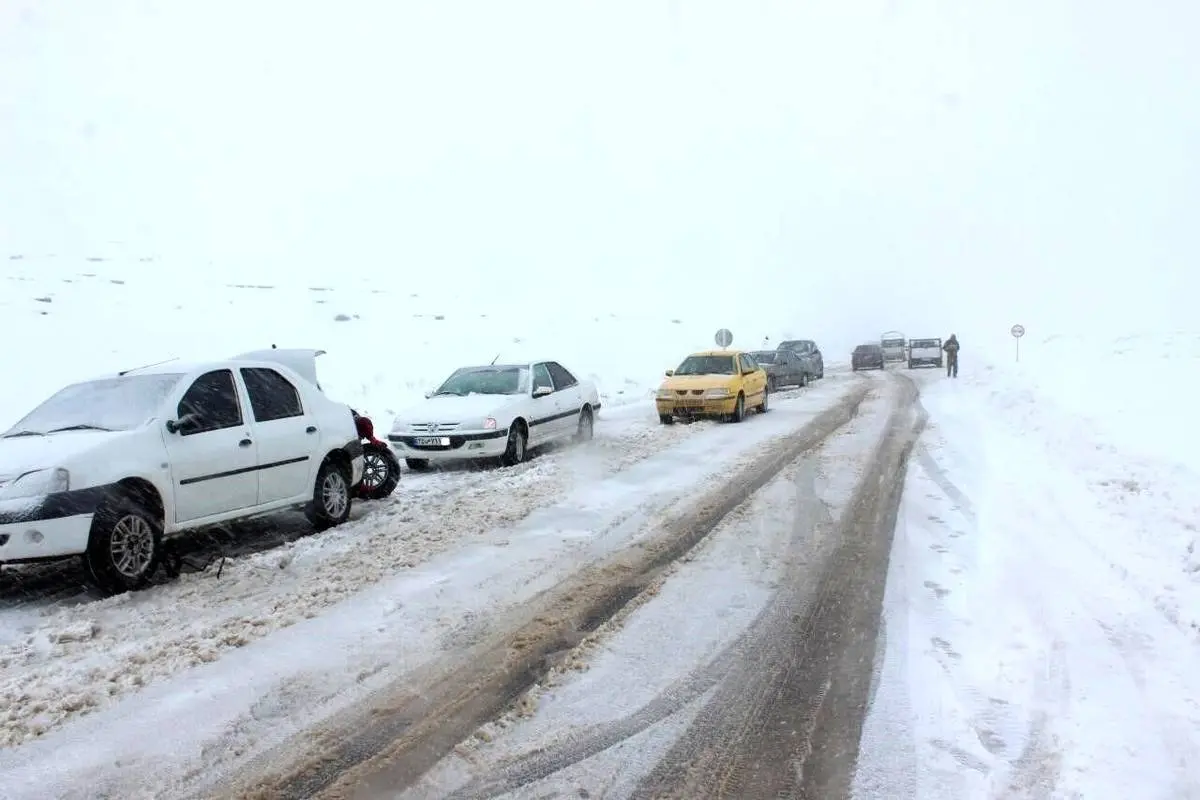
824	172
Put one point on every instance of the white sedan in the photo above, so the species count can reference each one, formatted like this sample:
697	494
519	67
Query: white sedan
496	411
108	467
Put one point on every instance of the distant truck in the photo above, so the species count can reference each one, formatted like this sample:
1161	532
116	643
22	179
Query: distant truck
893	344
925	353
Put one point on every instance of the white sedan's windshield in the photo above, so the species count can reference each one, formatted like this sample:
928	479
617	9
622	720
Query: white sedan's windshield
111	404
486	380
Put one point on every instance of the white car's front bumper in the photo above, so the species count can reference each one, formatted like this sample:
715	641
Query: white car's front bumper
44	538
456	446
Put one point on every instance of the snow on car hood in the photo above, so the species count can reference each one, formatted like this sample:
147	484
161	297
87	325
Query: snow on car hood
453	408
20	454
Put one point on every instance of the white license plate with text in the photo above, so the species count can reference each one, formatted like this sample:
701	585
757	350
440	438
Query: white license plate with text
432	441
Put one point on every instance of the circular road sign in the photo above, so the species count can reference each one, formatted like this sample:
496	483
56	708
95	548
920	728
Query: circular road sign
724	338
1018	331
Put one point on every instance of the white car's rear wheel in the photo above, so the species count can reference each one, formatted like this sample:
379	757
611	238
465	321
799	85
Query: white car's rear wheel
330	505
587	426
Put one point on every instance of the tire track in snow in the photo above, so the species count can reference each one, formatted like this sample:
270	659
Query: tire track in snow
433	712
774	690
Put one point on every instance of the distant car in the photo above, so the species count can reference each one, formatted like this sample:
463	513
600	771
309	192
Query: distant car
867	356
894	344
925	353
497	411
809	352
108	467
713	383
783	367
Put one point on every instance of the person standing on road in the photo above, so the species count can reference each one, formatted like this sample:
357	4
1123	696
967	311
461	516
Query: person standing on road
951	348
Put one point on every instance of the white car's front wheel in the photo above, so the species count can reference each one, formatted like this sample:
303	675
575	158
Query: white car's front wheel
587	426
125	546
518	442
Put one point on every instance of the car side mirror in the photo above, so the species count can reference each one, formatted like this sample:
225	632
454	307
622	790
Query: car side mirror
428	395
542	391
669	373
183	424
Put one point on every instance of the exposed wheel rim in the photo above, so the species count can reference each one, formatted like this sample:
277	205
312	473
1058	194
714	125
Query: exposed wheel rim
518	446
131	546
334	496
375	470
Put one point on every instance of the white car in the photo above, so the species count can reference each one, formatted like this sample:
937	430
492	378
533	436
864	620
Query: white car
108	467
497	411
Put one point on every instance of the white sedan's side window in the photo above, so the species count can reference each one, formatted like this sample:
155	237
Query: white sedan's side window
210	404
563	379
541	376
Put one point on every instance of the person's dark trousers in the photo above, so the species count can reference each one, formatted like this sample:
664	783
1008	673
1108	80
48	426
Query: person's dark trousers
952	365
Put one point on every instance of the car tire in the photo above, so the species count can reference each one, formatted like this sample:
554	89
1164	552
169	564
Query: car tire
586	427
666	419
331	501
517	449
739	409
123	525
417	464
765	405
381	472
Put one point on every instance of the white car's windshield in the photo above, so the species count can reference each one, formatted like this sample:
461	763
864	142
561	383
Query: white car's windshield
706	365
486	380
109	404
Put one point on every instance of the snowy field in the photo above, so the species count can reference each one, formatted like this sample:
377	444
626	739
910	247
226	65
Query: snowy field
387	342
1043	614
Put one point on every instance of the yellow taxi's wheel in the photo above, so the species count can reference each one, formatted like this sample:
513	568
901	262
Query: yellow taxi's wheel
739	409
764	406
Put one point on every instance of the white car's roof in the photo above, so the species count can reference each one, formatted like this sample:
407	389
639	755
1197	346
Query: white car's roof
301	361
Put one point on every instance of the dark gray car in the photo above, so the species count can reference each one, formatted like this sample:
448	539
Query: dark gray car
809	353
784	368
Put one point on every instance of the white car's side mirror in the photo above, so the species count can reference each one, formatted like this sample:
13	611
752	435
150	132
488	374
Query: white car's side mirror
428	395
542	391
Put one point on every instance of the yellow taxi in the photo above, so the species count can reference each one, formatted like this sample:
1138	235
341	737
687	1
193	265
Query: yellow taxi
713	383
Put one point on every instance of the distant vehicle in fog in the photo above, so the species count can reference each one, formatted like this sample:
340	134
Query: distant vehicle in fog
807	350
925	353
867	356
894	346
784	368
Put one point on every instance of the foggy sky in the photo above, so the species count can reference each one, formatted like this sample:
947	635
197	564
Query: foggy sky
927	166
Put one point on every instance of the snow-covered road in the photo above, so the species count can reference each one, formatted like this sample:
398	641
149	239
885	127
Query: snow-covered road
172	688
677	652
1033	643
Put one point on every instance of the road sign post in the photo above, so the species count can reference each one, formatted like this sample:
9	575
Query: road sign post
723	338
1017	332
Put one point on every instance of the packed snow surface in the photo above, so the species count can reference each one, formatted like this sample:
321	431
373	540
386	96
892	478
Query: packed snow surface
1041	618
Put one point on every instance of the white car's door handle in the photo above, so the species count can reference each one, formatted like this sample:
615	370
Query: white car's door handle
311	429
245	443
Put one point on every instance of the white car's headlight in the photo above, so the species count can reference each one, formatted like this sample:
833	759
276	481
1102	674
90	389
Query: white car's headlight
716	393
398	425
36	483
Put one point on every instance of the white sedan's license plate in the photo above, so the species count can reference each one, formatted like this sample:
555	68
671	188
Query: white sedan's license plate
432	441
